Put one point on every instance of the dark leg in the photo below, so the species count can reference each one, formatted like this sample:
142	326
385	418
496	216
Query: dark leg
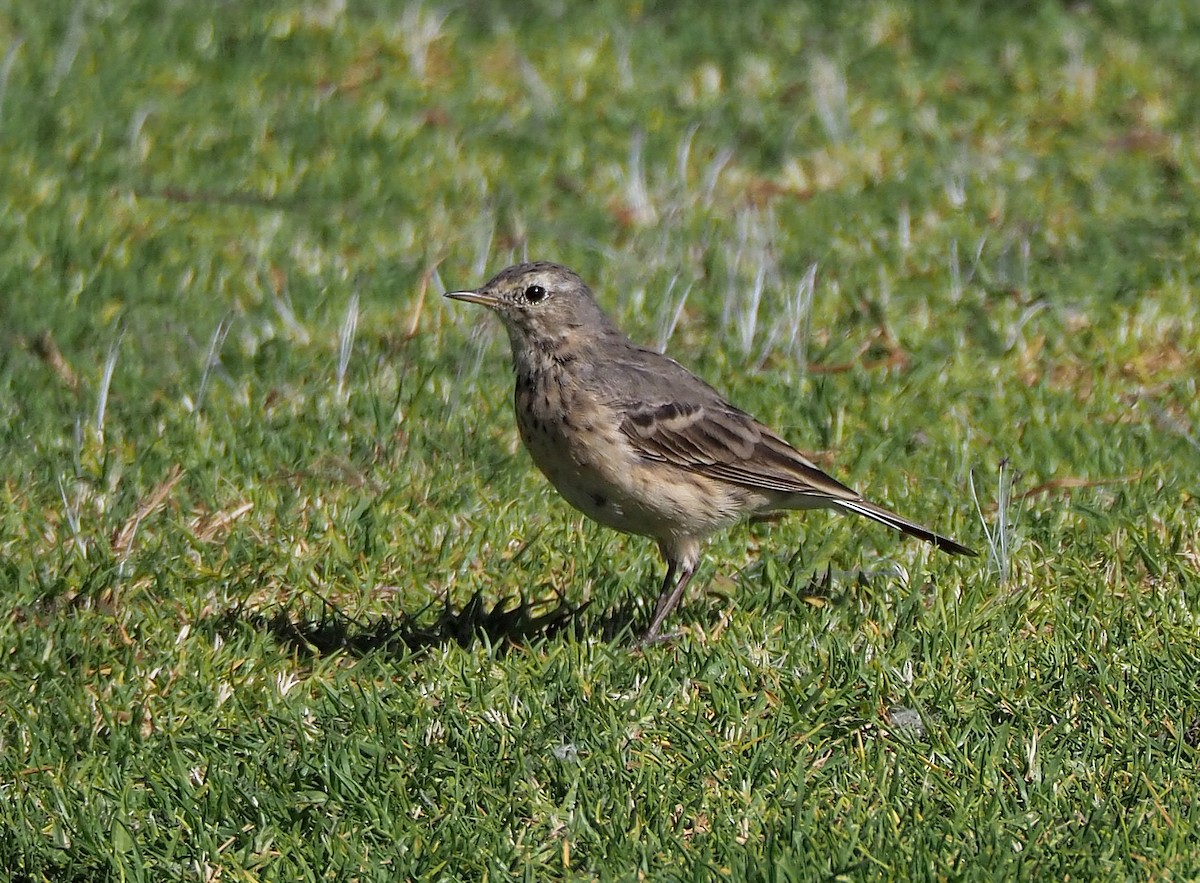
669	596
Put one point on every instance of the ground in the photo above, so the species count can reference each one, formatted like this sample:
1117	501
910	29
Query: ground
282	598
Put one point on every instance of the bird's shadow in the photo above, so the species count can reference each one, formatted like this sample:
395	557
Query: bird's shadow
502	625
505	624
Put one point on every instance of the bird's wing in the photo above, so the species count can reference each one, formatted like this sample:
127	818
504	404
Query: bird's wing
672	416
718	440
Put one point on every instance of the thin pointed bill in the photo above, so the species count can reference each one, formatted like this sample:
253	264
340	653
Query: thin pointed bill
473	297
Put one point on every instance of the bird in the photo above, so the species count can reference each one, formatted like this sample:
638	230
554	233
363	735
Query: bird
637	442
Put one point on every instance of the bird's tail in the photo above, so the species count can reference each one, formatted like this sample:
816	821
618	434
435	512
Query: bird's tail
891	519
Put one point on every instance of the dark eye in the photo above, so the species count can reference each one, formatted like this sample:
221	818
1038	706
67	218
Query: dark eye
535	294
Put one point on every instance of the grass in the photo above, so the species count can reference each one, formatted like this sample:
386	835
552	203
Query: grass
283	599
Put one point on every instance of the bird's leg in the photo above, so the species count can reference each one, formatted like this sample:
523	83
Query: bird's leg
672	591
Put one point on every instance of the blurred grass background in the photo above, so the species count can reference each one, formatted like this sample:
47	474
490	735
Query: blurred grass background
283	598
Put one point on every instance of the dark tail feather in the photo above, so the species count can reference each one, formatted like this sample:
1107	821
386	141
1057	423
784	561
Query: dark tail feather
891	519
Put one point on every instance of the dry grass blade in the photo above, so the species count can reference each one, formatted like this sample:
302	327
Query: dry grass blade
45	347
206	527
122	538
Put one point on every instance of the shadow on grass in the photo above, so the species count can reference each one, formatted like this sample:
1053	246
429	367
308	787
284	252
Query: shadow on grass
501	625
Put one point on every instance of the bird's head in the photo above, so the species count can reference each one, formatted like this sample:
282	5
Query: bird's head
542	305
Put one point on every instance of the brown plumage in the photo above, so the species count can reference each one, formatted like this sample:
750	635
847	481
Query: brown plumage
637	442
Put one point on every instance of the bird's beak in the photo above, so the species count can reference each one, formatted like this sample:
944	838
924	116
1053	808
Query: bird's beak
473	297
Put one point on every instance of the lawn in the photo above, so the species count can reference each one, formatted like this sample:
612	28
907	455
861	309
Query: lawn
282	598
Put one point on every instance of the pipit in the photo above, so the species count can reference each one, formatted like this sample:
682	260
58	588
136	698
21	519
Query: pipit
635	441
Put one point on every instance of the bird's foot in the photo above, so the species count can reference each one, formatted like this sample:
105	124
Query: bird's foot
652	639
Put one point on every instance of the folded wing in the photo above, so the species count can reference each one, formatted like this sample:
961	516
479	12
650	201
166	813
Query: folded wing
719	441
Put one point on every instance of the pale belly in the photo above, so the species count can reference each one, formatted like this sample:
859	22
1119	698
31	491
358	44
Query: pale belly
597	472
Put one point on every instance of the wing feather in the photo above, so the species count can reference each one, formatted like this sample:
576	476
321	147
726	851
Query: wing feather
672	416
725	443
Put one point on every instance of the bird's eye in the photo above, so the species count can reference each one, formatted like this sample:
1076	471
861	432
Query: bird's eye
535	294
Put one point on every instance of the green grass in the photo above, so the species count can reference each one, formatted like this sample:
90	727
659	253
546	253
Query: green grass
258	623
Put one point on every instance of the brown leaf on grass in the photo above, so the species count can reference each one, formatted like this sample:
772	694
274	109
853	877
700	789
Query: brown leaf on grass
1074	376
122	538
45	347
278	279
1029	367
362	72
623	213
880	341
1140	140
1157	364
1166	359
437	117
761	191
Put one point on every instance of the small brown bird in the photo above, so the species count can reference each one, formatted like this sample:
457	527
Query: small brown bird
635	441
